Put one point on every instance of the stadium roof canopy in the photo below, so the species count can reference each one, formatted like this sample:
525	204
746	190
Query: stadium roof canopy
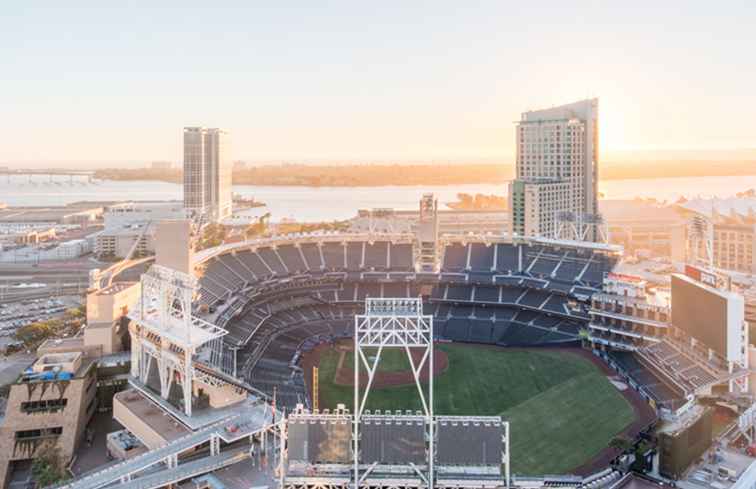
732	207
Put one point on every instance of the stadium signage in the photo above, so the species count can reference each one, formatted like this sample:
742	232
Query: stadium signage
621	277
700	275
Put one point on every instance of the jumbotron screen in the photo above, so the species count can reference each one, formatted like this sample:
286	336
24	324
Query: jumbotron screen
701	312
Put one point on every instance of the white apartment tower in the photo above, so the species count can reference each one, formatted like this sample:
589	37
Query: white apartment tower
207	172
556	172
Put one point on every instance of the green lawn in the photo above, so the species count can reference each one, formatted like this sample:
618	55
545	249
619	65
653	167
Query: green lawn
392	359
562	409
566	425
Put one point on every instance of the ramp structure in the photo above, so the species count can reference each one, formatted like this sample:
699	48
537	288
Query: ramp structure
169	372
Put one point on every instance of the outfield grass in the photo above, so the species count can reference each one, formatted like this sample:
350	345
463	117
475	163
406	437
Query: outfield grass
567	425
392	359
562	409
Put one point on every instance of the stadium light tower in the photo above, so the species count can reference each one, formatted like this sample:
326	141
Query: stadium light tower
393	323
427	248
581	227
700	247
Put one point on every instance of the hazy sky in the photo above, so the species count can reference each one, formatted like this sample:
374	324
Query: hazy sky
369	80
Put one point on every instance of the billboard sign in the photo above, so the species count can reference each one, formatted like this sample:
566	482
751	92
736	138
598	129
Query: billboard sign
621	277
701	275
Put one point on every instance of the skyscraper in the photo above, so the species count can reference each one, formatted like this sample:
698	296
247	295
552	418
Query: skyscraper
557	171
207	172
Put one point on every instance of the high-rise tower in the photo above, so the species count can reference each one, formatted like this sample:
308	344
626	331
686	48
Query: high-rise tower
557	172
207	172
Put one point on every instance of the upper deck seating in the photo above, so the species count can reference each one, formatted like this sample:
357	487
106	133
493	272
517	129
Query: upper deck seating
354	255
455	258
253	262
376	255
401	257
507	258
272	260
291	257
481	257
333	253
311	253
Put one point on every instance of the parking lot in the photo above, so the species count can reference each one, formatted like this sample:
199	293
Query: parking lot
18	314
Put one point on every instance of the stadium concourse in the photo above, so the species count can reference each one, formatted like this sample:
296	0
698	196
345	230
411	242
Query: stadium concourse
279	298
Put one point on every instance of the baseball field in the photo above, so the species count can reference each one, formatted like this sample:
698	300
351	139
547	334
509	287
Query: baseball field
562	408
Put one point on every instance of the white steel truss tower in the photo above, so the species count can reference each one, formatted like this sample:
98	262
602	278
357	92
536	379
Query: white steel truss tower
393	323
700	242
166	333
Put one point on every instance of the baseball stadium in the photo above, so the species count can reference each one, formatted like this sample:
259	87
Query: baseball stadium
509	319
411	360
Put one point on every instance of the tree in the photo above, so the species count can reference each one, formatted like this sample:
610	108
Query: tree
621	443
35	333
47	467
76	312
212	235
32	335
259	228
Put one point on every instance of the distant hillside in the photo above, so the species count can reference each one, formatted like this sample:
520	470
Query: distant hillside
428	174
338	176
172	175
677	168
